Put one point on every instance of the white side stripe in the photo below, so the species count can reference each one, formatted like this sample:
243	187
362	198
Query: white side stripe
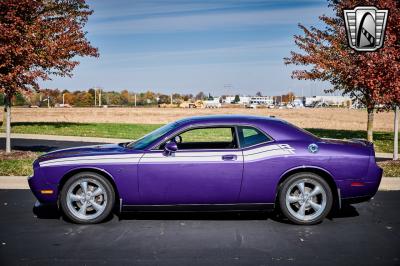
99	159
180	156
266	154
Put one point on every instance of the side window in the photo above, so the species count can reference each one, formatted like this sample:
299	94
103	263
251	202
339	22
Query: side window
207	138
251	136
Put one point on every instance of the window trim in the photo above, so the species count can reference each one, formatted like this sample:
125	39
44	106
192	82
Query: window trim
235	126
199	126
261	131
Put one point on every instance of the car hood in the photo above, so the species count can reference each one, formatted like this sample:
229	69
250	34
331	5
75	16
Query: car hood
104	149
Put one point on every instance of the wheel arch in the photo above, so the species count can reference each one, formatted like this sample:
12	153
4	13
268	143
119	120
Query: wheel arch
96	170
325	174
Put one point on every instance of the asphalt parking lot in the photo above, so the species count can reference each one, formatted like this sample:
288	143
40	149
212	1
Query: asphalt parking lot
40	145
366	234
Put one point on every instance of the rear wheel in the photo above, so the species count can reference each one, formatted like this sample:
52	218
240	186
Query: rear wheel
87	198
305	198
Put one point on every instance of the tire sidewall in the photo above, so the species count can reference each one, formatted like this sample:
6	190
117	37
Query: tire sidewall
286	185
109	191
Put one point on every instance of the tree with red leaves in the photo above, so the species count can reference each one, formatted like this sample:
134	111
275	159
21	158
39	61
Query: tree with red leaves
370	77
39	39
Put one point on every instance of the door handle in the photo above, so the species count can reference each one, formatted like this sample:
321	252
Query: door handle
229	157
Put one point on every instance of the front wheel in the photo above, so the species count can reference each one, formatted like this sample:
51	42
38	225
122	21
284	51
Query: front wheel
87	198
305	198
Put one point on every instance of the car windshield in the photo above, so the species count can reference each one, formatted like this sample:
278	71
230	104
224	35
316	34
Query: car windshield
143	142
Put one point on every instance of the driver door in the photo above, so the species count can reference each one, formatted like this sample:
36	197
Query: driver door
206	169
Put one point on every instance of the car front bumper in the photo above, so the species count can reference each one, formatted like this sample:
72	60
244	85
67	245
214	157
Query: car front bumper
45	192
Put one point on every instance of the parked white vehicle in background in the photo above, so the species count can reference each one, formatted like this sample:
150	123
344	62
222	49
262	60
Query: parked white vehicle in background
297	103
251	106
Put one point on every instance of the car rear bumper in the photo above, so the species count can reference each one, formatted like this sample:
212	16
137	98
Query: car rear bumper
360	190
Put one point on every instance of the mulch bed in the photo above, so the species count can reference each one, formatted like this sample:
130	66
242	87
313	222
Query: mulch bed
18	155
390	163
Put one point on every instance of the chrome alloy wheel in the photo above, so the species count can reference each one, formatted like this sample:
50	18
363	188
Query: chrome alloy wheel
306	199
86	198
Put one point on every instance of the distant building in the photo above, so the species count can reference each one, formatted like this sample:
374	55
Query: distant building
212	103
231	99
327	100
262	100
298	102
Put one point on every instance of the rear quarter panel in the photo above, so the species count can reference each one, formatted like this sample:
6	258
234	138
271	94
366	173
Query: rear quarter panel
343	162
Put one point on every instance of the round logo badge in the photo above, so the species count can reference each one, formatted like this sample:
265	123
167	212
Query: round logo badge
313	148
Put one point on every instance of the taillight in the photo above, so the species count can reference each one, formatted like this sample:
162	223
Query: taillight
357	184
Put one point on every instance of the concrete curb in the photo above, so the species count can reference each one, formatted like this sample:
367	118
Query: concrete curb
382	155
65	138
14	182
21	182
390	183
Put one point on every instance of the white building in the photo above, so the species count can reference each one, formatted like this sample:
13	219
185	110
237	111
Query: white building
214	103
327	100
298	103
231	99
262	100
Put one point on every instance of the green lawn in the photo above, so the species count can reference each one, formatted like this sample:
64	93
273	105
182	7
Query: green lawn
17	163
104	130
383	140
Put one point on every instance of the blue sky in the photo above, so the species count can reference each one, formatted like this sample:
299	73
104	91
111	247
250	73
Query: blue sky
188	46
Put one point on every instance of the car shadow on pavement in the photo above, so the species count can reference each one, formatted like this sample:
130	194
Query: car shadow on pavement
346	211
225	215
46	211
50	211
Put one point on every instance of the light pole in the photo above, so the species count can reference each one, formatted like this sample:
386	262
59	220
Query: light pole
95	96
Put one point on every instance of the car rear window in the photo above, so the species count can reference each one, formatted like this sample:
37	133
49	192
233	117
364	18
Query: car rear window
250	136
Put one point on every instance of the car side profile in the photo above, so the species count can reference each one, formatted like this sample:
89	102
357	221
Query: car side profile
210	163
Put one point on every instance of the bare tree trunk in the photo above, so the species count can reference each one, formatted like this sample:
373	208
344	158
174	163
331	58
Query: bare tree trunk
8	124
3	125
370	124
396	133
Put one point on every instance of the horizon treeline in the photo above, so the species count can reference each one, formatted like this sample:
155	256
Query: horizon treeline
91	97
98	97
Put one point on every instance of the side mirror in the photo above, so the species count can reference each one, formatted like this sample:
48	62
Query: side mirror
170	148
178	139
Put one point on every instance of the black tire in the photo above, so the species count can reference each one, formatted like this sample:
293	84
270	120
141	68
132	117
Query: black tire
315	179
108	204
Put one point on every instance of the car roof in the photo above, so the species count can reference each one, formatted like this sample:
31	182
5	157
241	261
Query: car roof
226	119
277	128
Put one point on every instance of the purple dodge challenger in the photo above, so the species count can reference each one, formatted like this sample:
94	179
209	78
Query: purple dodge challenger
228	162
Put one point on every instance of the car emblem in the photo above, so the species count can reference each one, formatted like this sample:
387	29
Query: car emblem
365	27
313	148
